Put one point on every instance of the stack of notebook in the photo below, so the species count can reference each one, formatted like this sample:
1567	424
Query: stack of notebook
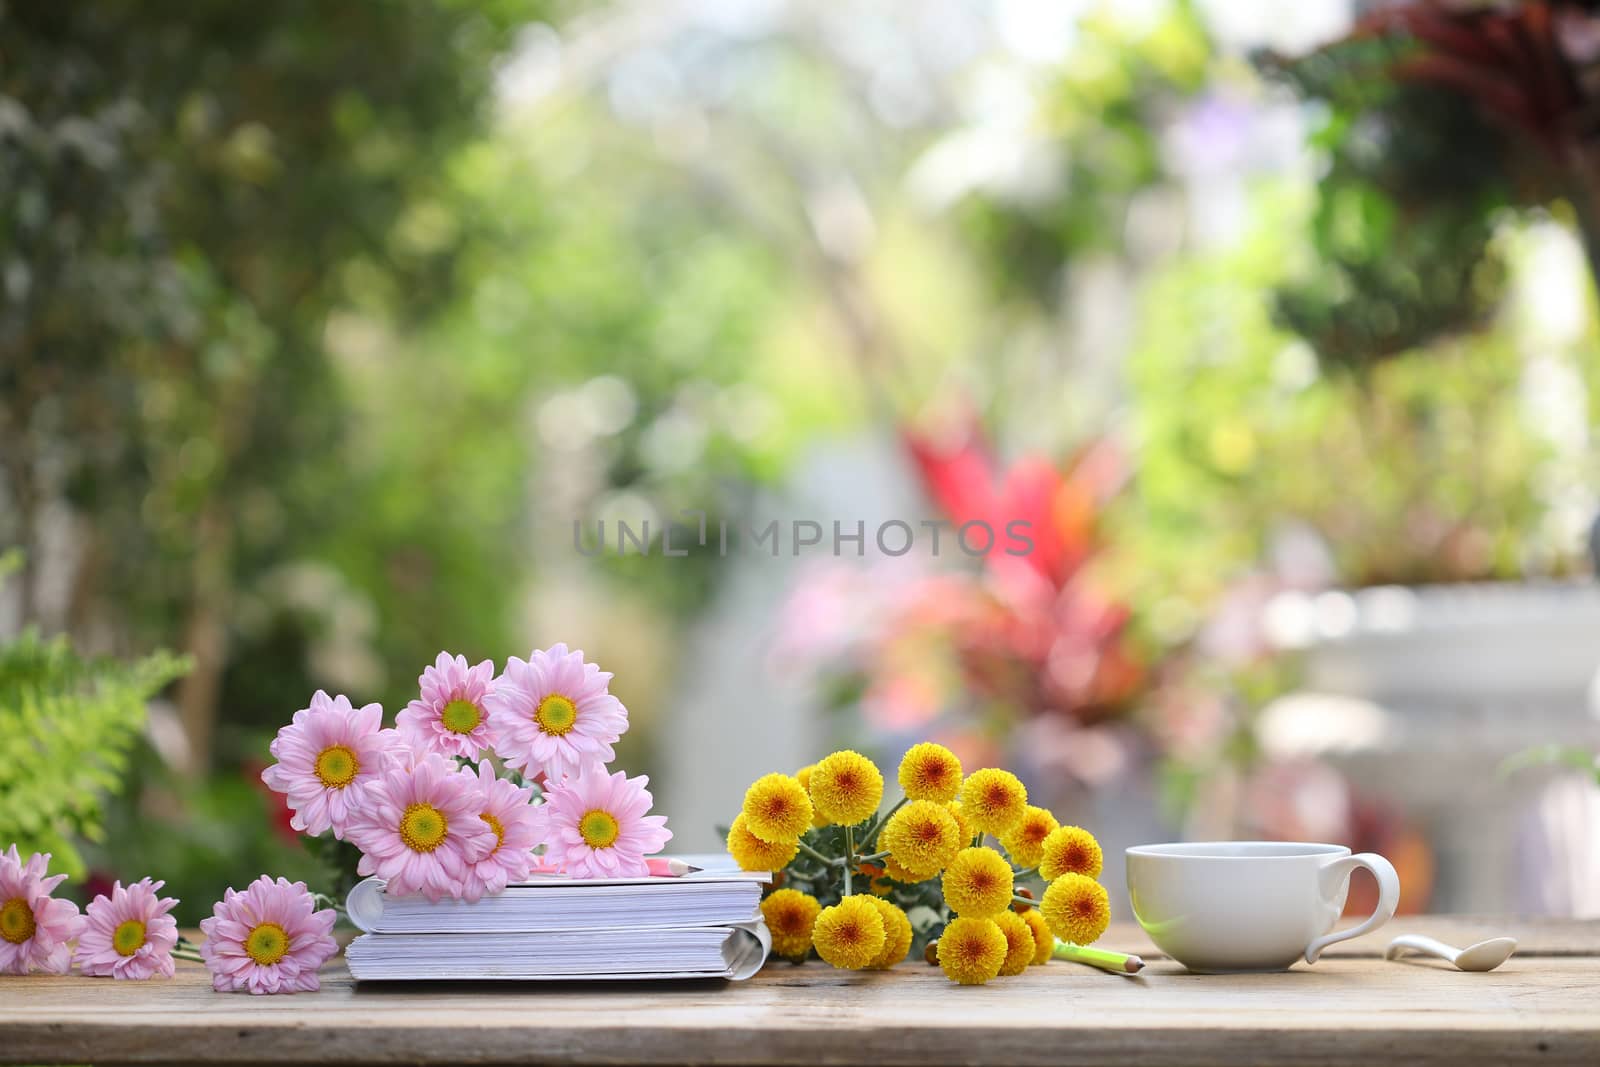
706	924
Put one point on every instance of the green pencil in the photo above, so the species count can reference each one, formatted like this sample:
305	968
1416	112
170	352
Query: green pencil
1117	962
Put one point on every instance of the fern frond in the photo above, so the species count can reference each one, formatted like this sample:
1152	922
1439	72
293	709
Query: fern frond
67	725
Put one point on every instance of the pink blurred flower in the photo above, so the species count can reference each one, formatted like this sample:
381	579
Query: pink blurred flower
129	933
595	826
268	939
452	717
420	829
328	759
553	715
510	813
34	926
1298	800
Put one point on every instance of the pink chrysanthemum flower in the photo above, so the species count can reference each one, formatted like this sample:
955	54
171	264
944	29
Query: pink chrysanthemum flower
552	715
128	934
420	830
34	926
328	758
510	813
452	718
595	826
268	939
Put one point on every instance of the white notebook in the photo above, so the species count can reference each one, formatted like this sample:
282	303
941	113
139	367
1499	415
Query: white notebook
706	924
718	895
729	952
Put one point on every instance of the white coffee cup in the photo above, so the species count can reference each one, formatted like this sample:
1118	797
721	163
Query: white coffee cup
1220	906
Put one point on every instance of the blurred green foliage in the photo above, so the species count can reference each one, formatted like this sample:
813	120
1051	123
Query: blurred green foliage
1400	249
192	189
639	321
1417	471
1101	119
194	194
205	835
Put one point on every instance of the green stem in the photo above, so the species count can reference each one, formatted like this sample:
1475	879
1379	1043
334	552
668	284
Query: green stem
831	861
323	900
187	954
1023	872
1018	898
849	856
873	857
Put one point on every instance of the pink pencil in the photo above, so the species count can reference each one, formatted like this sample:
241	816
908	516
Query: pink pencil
660	867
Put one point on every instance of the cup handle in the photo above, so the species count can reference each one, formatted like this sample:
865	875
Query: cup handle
1388	897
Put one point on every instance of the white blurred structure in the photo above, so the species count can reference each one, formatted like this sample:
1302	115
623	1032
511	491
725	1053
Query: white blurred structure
1420	695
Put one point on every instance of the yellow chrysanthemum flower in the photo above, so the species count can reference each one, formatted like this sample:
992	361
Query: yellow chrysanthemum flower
777	808
1044	942
921	838
971	951
968	831
846	788
977	883
1077	908
790	915
993	800
1019	942
754	854
930	772
1070	850
1025	840
896	936
850	934
803	776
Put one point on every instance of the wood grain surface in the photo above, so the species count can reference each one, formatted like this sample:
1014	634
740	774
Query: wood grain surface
1541	1006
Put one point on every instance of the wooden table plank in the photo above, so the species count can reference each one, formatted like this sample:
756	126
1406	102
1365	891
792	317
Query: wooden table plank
1352	1009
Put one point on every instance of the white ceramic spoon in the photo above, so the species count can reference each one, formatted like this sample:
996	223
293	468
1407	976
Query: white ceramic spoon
1484	956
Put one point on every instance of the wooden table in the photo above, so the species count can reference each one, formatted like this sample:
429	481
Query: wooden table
1541	1006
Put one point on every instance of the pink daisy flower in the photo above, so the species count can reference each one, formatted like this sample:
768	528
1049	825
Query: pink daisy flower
510	813
328	758
552	715
268	939
595	826
34	926
451	718
420	830
128	934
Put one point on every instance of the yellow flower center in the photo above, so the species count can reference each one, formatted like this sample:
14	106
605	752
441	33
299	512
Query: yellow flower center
498	827
423	827
128	937
16	921
599	829
337	766
776	807
267	943
556	715
461	716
